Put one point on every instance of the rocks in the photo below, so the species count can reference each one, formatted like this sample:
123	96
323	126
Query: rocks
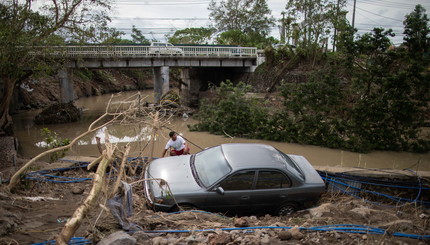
296	234
319	211
118	238
219	239
141	237
284	235
77	190
240	222
159	241
265	240
293	233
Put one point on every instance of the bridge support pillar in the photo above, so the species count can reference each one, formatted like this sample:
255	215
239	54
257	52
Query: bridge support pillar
66	85
190	87
161	82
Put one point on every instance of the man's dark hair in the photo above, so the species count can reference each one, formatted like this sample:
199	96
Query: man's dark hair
172	133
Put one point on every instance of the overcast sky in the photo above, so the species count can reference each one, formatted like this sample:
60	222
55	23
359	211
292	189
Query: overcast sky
156	18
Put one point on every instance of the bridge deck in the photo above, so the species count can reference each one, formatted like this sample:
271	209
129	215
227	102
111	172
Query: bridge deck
134	56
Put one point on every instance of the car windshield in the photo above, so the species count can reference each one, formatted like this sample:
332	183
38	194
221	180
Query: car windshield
211	165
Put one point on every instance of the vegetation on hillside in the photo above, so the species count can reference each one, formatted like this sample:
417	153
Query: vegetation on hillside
369	95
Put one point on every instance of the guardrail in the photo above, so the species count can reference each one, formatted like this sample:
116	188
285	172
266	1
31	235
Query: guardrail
124	51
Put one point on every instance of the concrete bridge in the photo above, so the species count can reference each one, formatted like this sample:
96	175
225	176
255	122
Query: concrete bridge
196	62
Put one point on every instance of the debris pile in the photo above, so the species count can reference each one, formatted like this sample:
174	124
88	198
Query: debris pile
59	113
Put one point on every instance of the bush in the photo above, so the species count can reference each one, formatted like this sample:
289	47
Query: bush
231	112
53	141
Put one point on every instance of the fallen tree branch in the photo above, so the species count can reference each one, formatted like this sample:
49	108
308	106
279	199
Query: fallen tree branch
16	177
121	172
99	181
93	163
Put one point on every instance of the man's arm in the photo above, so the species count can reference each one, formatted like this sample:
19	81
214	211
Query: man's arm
186	149
164	153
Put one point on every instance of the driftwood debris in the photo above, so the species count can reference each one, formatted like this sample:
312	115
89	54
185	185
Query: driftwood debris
99	181
127	112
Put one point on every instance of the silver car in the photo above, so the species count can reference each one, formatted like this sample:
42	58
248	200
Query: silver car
158	48
255	178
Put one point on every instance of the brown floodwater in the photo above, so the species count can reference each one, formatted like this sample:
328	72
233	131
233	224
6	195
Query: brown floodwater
31	142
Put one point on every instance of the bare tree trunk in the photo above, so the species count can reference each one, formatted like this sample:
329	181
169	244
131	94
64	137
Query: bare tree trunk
5	118
75	221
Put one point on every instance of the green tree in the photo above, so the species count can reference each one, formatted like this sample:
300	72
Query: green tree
243	15
23	27
314	20
417	33
231	112
251	39
138	37
417	41
200	35
113	36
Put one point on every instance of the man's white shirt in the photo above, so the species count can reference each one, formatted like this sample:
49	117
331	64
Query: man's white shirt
178	144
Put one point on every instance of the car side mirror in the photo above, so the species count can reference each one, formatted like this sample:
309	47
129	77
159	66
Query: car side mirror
219	190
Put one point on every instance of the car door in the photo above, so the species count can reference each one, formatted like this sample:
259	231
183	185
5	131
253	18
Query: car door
237	193
272	188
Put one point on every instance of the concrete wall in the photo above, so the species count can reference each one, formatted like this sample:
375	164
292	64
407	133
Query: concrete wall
161	82
66	85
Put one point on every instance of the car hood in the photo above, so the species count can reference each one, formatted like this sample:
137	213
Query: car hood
176	171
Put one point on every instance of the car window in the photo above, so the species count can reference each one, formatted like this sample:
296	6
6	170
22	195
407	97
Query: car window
211	165
240	181
291	166
272	180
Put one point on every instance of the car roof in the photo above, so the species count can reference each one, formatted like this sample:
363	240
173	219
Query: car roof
241	156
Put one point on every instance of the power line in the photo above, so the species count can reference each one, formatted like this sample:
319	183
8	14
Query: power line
393	4
379	15
147	28
143	18
367	17
386	25
162	3
376	14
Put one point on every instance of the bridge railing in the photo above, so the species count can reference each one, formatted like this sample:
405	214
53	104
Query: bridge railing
96	51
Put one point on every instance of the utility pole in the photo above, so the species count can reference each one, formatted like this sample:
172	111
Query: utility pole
353	15
283	28
335	26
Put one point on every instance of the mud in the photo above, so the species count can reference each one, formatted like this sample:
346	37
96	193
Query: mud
26	220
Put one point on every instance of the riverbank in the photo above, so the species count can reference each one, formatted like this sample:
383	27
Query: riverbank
43	90
38	212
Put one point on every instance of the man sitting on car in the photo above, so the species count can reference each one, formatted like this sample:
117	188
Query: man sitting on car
178	145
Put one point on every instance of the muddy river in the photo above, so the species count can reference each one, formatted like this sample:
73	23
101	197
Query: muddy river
31	142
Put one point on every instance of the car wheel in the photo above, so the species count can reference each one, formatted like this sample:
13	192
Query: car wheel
287	209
